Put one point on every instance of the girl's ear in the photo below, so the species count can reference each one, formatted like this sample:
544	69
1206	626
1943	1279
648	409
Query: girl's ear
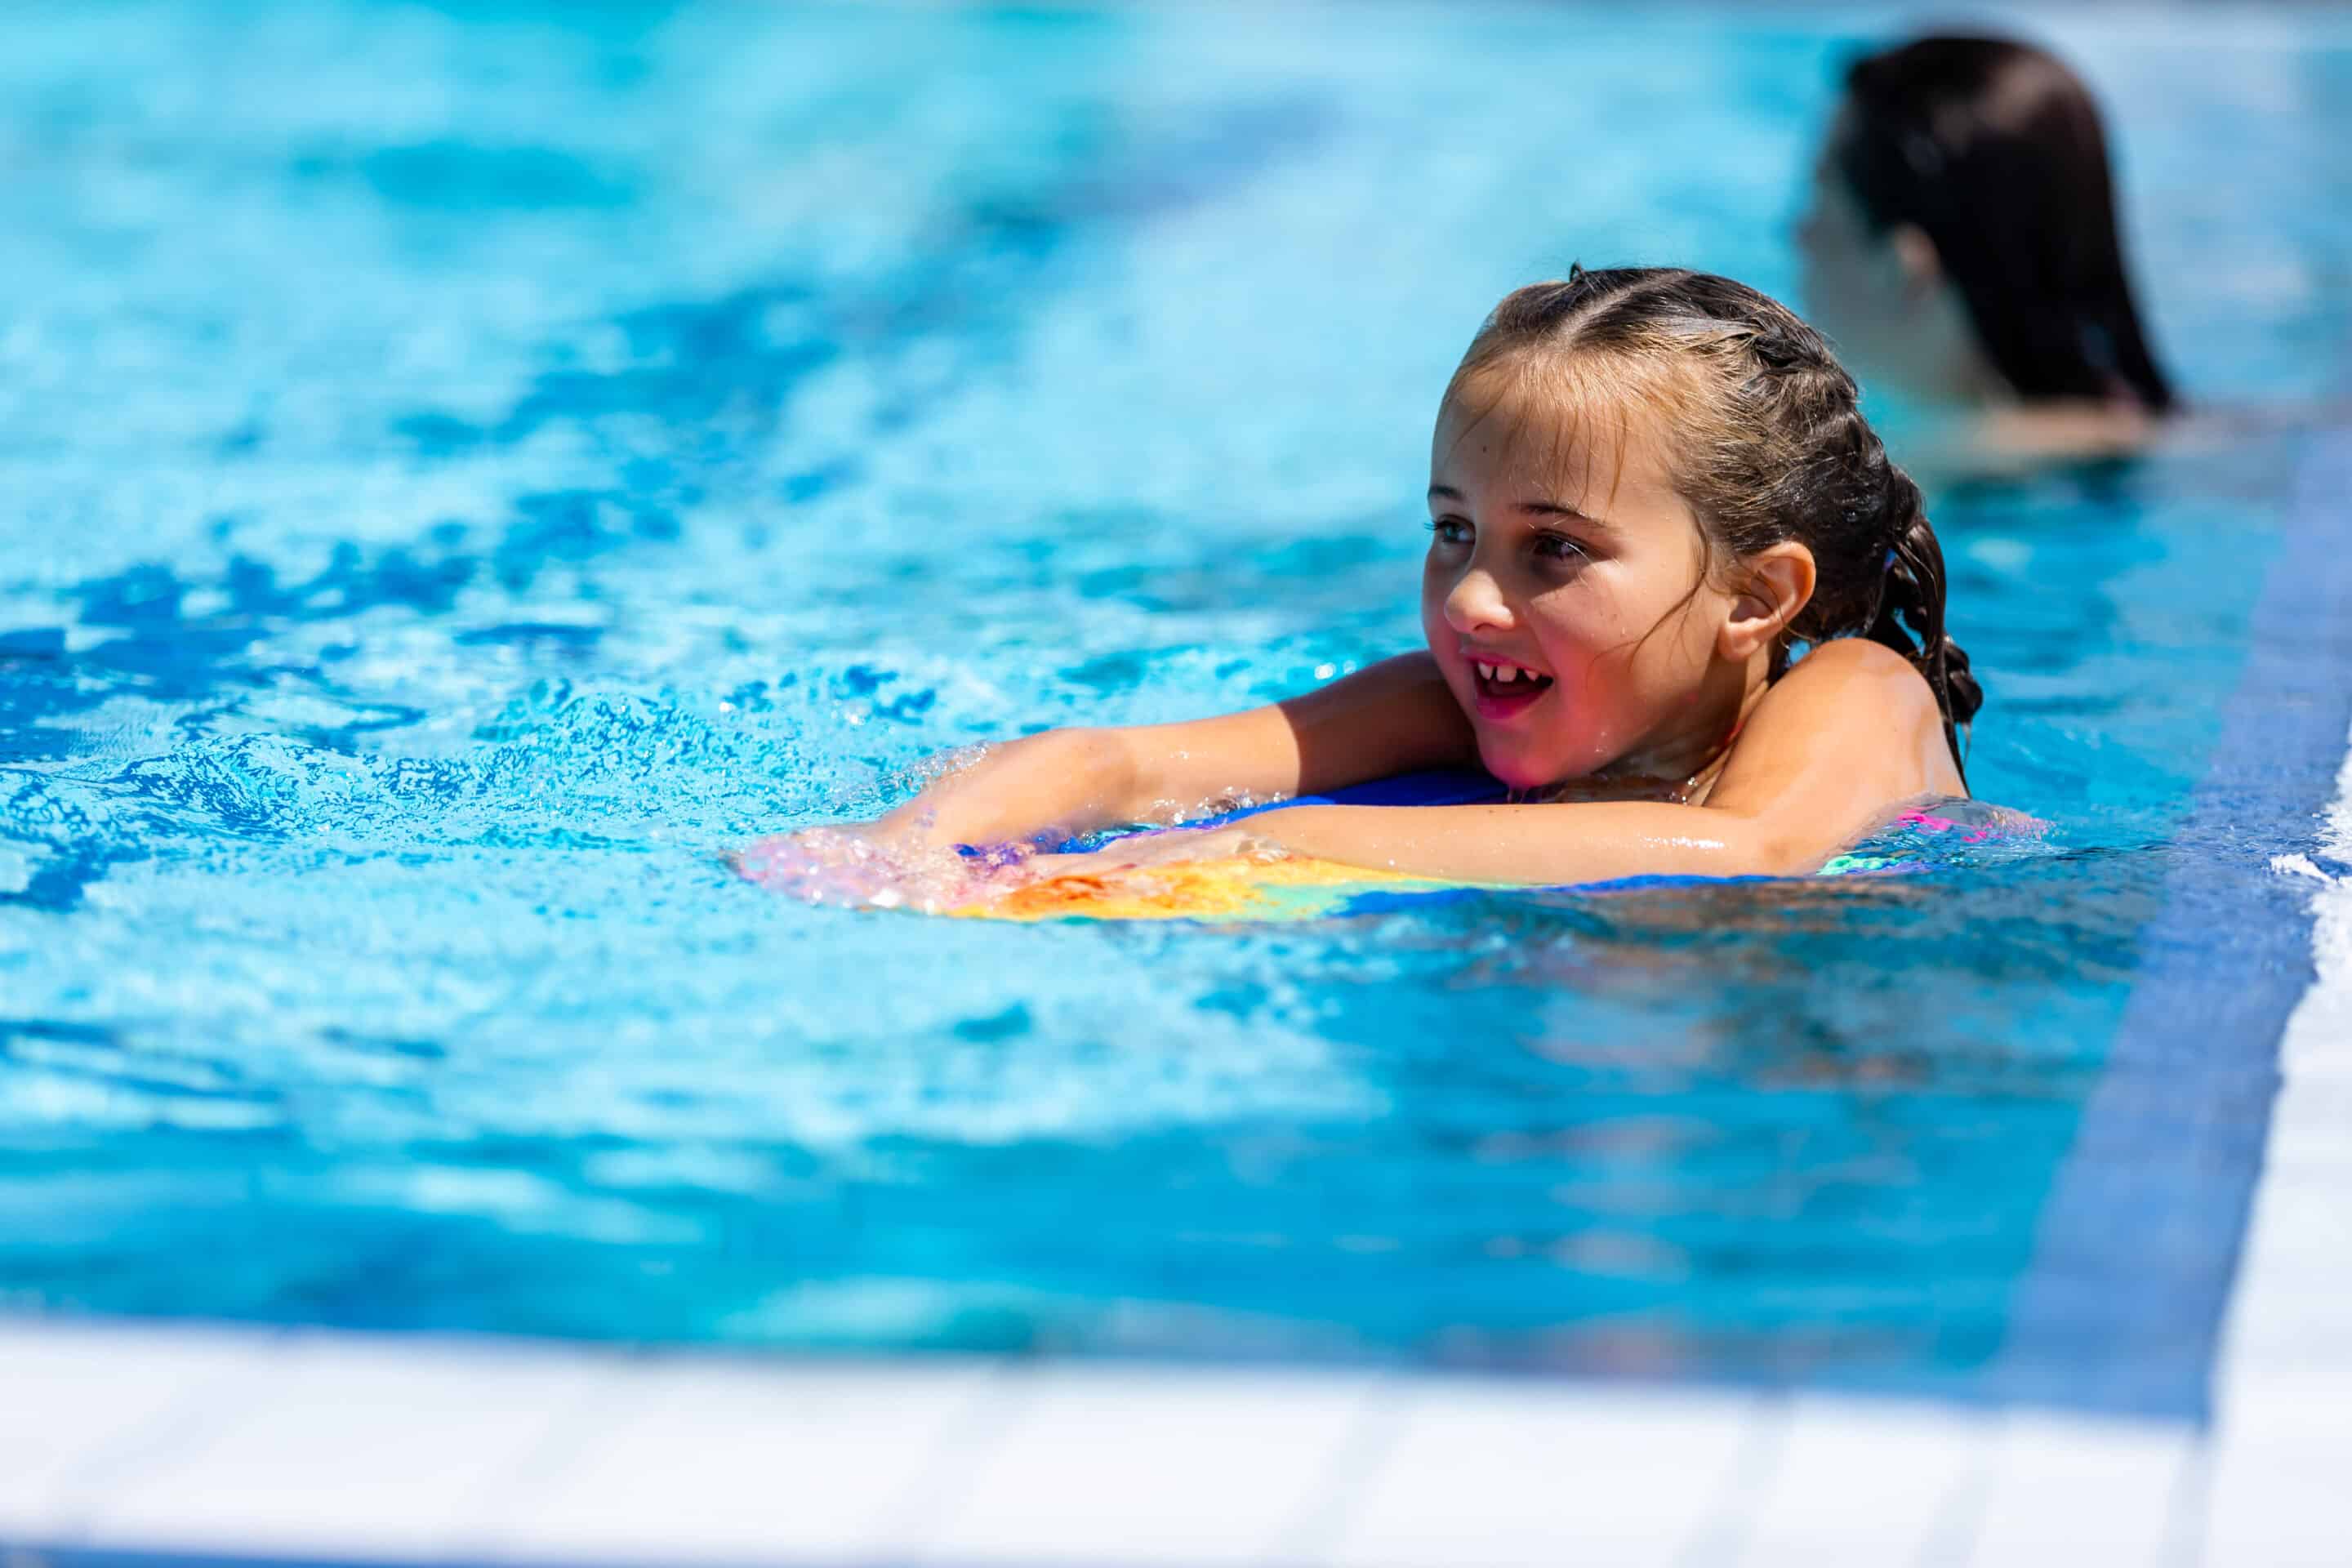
1778	582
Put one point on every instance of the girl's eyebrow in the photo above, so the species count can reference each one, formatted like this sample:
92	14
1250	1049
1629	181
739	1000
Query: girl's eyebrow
1554	509
1532	508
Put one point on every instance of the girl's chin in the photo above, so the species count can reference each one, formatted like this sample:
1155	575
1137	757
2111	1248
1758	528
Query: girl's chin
1518	771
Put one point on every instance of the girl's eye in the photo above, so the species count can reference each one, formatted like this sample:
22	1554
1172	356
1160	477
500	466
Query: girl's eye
1559	547
1450	530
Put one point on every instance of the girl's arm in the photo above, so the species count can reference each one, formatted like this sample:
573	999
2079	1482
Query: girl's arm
1391	718
1828	753
1536	846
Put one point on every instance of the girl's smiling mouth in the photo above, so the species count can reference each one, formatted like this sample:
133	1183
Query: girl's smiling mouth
1506	688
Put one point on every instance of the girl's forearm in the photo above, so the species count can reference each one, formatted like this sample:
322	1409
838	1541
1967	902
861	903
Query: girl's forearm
1396	716
1064	781
1528	845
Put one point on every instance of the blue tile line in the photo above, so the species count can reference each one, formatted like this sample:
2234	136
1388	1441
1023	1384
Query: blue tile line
30	1554
2169	1147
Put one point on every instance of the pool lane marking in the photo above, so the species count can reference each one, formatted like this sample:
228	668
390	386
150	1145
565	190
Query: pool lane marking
2285	1378
2169	1145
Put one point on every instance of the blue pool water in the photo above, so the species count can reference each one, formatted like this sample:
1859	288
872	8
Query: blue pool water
467	468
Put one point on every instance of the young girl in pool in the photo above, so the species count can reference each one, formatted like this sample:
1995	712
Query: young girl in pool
1650	490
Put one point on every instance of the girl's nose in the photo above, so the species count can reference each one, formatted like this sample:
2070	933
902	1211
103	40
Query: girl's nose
1477	604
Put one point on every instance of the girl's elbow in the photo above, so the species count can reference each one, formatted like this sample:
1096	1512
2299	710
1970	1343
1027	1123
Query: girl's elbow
1103	757
1074	746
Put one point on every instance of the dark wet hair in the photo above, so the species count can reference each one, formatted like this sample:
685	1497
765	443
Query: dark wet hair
1769	446
1994	150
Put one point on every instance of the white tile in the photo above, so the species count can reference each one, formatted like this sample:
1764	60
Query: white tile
695	1460
1126	1465
2278	1496
76	1401
2310	1229
2298	1333
1870	1485
2276	1510
353	1445
2068	1490
1501	1474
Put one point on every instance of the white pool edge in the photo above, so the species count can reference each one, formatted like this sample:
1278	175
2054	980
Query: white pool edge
359	1449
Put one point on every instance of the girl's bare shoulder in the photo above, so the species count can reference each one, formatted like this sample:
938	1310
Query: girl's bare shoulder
1852	719
1847	666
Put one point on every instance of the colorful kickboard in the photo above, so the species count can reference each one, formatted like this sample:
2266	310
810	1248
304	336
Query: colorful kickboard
1215	891
1239	889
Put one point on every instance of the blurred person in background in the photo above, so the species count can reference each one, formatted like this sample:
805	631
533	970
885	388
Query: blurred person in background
1961	247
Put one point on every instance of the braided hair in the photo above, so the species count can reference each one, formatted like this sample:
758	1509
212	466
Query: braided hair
1773	447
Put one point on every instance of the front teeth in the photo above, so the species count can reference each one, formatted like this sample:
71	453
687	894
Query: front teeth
1502	673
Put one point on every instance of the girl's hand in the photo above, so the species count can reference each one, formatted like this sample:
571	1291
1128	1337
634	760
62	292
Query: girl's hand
859	866
1146	850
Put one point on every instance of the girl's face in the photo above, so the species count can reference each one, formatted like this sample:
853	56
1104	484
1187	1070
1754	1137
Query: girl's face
1564	595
